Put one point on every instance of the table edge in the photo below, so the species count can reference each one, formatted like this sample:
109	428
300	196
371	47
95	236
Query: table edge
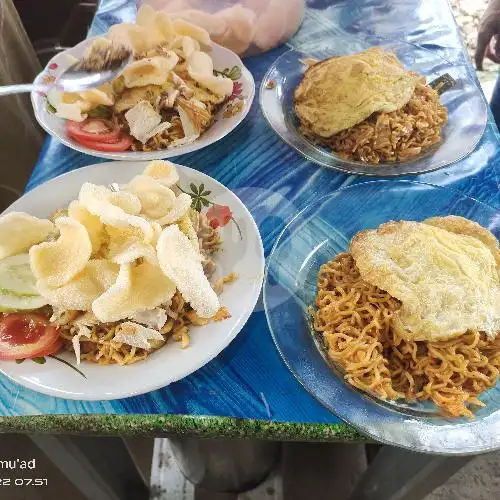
195	426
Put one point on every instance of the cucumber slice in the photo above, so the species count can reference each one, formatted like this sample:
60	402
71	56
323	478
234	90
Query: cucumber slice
10	302
18	285
16	276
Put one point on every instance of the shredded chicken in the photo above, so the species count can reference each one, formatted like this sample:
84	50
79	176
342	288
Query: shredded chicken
167	100
182	86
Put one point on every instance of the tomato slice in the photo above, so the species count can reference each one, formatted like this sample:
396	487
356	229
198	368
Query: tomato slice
123	144
27	335
219	215
94	129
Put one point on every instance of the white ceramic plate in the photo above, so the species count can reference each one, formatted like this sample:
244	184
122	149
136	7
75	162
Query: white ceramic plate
243	254
227	118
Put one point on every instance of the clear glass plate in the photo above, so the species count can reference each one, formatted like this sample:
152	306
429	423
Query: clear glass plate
467	109
314	236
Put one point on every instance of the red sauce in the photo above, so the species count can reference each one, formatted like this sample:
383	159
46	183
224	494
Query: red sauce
21	329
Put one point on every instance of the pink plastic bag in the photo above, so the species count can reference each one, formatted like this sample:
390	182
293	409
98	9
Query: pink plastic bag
245	27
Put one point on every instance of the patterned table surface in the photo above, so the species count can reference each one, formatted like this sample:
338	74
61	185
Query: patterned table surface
247	390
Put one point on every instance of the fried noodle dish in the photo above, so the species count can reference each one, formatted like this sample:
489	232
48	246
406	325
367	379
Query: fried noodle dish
166	97
367	107
113	276
101	345
409	349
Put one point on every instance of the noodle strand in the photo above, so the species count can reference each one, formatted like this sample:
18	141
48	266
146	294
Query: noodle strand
354	319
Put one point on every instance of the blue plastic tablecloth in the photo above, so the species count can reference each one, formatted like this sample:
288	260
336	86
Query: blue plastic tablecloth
248	379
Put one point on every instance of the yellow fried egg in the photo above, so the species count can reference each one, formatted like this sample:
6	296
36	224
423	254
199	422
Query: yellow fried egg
340	92
447	282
